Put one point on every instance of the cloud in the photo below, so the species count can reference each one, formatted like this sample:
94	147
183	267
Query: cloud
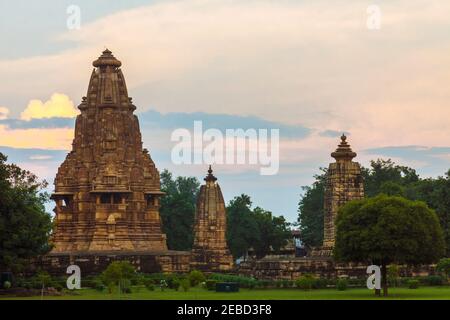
4	113
174	120
59	105
45	123
56	139
429	161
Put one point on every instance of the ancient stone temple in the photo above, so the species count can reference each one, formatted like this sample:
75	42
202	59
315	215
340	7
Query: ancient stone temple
344	183
107	190
210	251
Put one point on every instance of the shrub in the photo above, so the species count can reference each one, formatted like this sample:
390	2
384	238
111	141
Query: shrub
286	283
244	282
185	284
176	283
6	284
435	280
99	286
149	284
305	282
320	283
210	284
341	284
393	273
444	266
172	280
88	283
196	277
118	273
44	278
413	284
125	285
57	286
162	284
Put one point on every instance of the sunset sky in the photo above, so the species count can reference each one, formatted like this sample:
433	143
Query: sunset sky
310	68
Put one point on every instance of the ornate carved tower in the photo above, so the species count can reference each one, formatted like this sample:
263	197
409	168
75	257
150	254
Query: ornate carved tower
210	251
107	190
344	183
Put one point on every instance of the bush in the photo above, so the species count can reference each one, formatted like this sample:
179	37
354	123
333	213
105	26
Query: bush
320	283
118	273
125	285
244	282
172	280
286	283
57	286
6	284
433	280
99	286
393	274
444	266
149	284
185	284
305	282
196	277
210	284
341	284
413	284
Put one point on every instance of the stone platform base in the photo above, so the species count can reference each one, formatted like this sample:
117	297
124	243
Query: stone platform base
93	263
291	268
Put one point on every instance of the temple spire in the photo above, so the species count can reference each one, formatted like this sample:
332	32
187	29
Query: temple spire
343	151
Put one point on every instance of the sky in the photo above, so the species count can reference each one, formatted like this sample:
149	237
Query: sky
312	69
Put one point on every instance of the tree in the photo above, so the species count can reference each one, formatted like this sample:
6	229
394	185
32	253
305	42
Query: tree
310	209
118	273
388	229
273	232
383	171
178	210
436	194
257	229
383	176
242	230
444	267
25	227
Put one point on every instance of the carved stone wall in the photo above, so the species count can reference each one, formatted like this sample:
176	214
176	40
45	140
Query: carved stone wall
210	252
107	190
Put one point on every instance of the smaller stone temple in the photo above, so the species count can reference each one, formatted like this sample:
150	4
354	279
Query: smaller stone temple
210	251
344	183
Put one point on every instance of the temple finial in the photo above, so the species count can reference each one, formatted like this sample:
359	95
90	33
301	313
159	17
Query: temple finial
344	151
107	59
210	176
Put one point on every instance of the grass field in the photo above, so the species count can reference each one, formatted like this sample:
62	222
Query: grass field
433	293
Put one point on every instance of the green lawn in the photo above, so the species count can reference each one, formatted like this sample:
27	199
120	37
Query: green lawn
433	293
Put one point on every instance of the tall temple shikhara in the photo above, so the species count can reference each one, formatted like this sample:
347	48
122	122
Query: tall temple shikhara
210	251
107	190
344	183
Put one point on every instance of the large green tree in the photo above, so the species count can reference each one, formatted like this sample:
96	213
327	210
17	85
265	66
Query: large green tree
25	226
383	176
388	229
242	230
178	209
254	228
273	232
